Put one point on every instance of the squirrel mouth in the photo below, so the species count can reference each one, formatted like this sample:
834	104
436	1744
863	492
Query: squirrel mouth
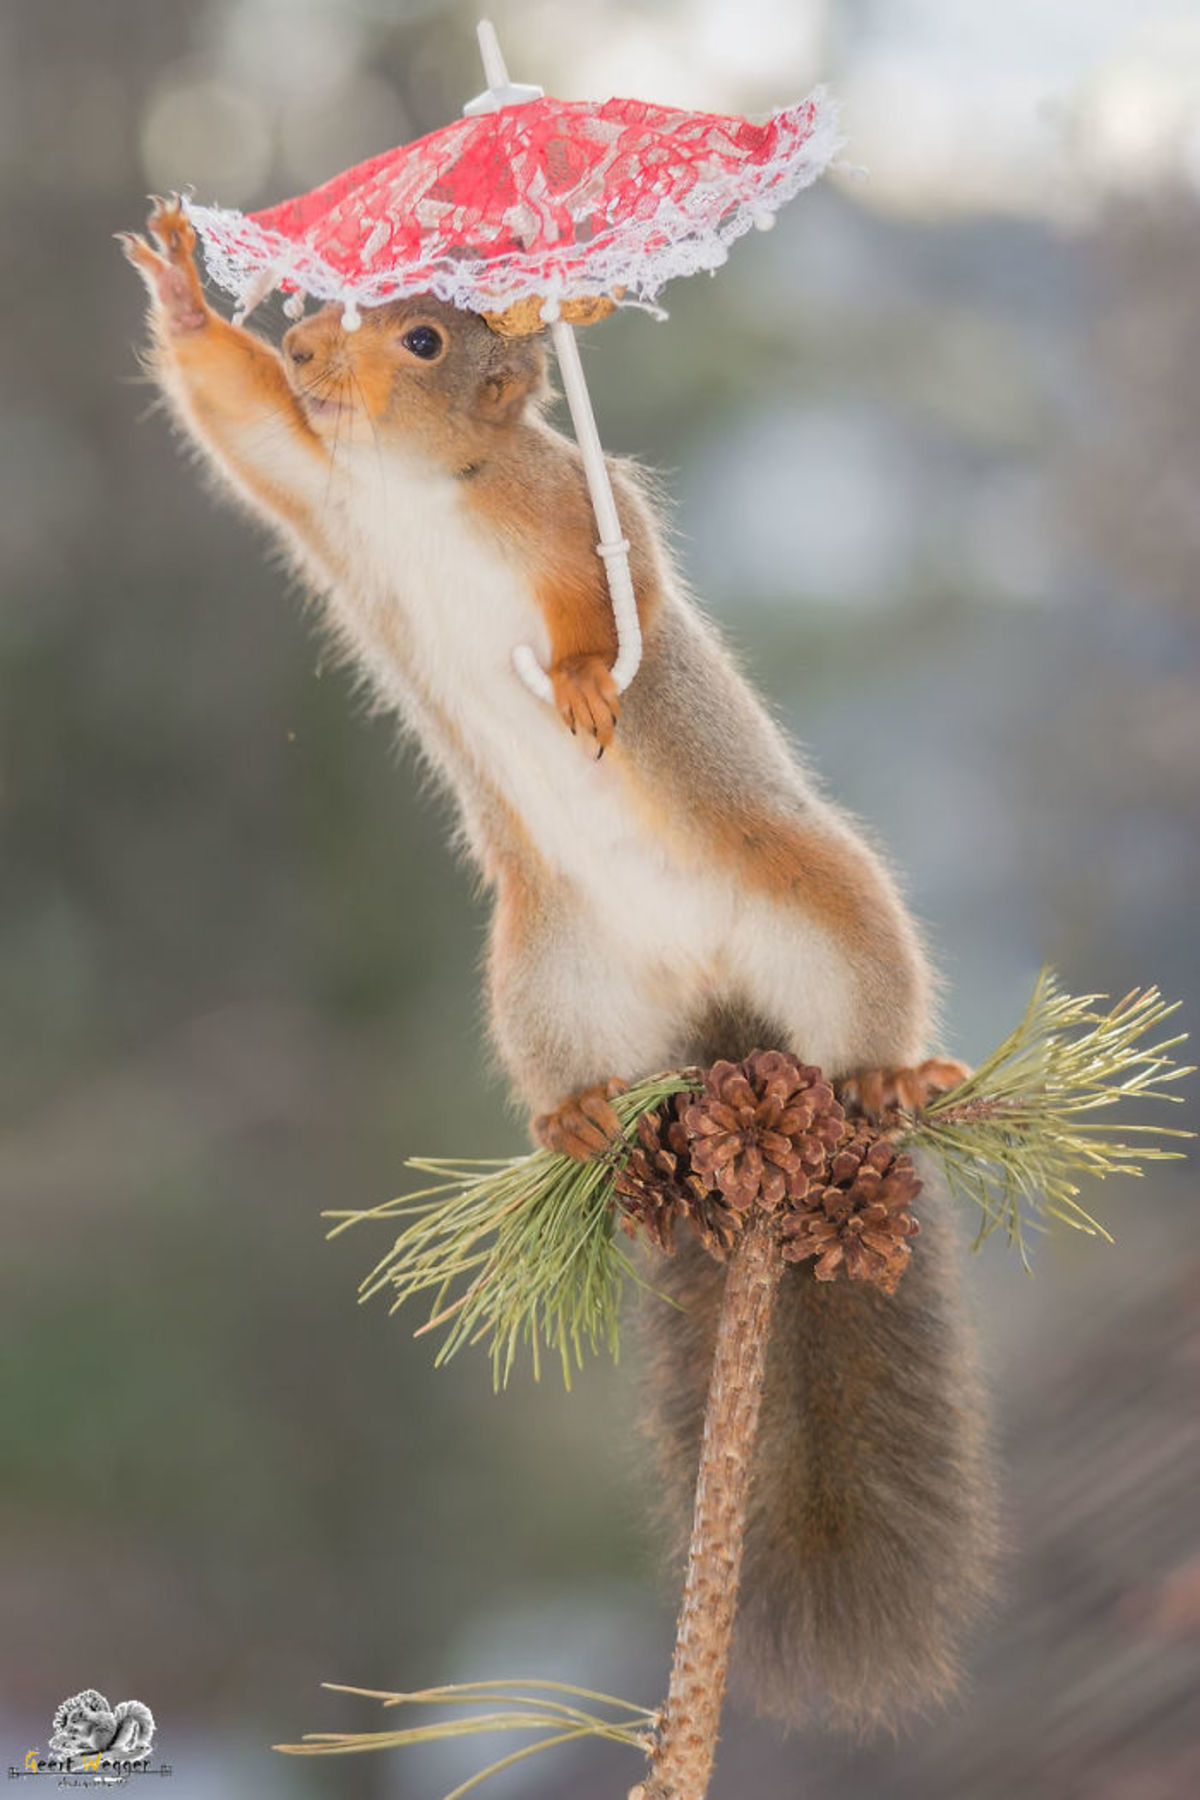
324	405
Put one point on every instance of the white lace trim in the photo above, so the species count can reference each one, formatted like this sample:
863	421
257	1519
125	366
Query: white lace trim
248	261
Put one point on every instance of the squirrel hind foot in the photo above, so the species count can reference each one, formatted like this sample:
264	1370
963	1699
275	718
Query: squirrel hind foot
874	1092
584	1125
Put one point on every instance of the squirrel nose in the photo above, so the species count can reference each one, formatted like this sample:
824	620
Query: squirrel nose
297	345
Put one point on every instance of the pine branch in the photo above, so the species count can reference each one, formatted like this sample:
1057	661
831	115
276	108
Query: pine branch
515	1252
1016	1138
507	1706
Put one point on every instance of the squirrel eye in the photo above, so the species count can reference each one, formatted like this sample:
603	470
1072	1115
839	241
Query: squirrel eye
423	341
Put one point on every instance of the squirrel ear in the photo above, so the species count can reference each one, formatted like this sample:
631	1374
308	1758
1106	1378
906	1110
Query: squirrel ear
502	393
511	378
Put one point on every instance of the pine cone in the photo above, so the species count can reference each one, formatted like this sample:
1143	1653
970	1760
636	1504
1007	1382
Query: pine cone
762	1130
858	1223
651	1184
658	1187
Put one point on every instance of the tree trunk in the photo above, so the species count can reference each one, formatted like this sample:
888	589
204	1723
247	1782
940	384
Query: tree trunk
682	1759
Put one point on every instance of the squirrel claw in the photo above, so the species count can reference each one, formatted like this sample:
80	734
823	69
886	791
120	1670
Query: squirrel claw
587	700
584	1126
874	1092
171	228
169	271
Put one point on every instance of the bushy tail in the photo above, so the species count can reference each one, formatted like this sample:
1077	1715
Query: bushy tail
871	1539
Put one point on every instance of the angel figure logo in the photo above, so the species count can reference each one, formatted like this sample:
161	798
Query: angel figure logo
86	1725
93	1744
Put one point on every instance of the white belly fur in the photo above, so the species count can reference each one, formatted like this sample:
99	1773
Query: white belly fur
685	934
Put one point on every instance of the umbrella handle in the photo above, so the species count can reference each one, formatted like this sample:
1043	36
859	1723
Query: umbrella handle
613	546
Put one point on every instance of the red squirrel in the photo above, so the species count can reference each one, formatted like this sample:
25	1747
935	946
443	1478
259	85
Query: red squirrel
668	885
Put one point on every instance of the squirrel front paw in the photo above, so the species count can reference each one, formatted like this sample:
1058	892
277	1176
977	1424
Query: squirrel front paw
876	1091
584	1126
586	697
171	277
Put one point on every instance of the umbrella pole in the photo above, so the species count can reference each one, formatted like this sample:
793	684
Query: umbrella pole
613	545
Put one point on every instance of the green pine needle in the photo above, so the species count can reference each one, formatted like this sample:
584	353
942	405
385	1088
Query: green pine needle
522	1706
514	1251
1014	1139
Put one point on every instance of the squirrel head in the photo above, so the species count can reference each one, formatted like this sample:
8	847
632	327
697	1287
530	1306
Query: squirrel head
417	373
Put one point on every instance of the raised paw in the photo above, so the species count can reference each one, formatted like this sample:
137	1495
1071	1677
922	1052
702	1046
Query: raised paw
877	1091
584	1126
586	697
169	272
173	231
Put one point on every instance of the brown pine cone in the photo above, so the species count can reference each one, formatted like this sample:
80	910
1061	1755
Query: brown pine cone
762	1130
650	1186
858	1223
657	1188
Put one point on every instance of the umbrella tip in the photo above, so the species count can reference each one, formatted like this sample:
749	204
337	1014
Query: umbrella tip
493	57
500	90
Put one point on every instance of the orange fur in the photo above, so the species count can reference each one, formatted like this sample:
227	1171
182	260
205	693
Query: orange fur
830	877
233	383
584	1125
224	381
368	386
827	876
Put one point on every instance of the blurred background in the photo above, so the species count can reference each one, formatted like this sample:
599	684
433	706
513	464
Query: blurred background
935	449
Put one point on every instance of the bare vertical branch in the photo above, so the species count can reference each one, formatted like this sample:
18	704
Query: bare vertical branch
682	1760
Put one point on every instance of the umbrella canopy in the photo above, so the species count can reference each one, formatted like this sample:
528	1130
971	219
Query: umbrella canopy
530	200
552	198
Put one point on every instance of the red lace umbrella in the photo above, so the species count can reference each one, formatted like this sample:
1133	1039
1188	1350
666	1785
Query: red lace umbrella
528	206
